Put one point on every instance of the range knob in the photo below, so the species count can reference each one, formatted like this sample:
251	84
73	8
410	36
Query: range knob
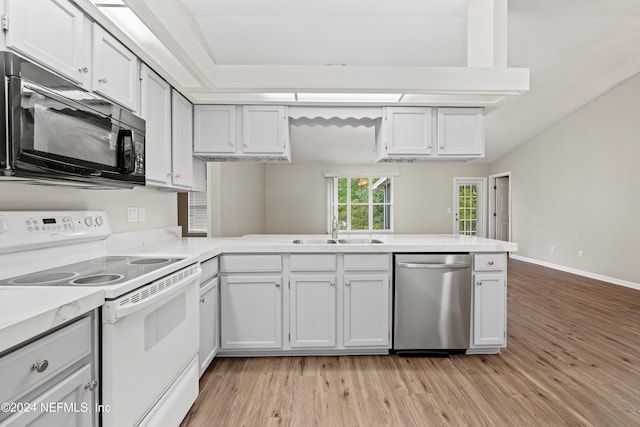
89	221
99	221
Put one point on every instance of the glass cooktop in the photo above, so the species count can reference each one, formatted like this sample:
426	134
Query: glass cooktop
103	271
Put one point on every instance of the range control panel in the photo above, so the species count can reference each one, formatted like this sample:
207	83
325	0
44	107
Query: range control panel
22	230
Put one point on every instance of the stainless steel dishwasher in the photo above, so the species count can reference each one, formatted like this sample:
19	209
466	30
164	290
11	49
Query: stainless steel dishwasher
432	303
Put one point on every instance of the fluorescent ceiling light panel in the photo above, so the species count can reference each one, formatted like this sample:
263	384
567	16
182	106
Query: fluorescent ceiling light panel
349	97
453	98
244	97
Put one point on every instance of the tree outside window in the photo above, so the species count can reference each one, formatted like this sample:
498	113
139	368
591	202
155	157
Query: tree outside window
363	203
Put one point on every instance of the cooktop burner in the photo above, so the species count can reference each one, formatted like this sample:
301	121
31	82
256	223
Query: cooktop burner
103	271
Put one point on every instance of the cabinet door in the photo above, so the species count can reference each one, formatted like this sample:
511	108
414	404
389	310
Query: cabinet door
265	129
115	69
182	140
214	129
489	310
155	108
208	324
251	312
51	32
366	310
67	404
460	131
312	302
408	130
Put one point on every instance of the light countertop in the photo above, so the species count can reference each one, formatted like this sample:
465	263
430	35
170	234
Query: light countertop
26	312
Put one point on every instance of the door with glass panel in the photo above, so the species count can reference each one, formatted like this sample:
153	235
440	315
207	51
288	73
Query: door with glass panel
468	215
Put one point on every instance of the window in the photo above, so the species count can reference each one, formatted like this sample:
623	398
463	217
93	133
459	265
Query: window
363	203
193	215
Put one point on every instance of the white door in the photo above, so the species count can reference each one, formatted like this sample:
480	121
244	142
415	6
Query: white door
501	214
156	110
489	299
115	69
313	311
214	129
51	32
265	129
251	312
468	205
181	140
408	130
366	310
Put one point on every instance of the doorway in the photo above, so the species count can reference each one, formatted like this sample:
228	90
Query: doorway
500	206
469	206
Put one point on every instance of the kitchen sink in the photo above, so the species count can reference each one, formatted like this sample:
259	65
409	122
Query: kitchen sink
359	241
314	241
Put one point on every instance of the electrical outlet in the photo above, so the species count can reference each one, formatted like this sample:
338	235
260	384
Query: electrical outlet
132	214
141	214
552	249
580	253
448	210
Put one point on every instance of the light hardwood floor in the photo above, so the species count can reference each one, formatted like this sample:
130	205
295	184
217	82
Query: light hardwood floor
572	359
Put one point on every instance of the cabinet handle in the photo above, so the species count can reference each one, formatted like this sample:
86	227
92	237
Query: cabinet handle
231	143
40	366
91	386
202	299
347	283
332	283
102	80
83	70
169	174
479	283
429	146
177	175
277	285
490	263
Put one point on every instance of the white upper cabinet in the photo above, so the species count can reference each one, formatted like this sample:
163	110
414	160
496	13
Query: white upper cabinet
460	132
214	129
408	130
155	108
115	70
181	140
248	132
52	32
265	129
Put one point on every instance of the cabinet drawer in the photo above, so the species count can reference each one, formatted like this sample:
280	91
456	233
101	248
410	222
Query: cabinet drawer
209	268
59	349
248	263
367	262
313	262
489	262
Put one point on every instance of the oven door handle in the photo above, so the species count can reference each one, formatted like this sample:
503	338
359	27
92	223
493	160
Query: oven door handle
115	310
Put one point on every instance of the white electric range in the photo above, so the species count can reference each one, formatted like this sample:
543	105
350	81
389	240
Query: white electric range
149	331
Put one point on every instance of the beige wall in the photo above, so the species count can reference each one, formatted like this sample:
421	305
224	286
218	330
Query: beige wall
237	198
576	187
160	207
296	195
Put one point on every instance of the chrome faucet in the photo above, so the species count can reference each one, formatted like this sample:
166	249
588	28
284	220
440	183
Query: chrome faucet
335	227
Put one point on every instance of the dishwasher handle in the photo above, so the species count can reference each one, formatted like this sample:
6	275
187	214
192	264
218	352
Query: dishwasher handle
428	265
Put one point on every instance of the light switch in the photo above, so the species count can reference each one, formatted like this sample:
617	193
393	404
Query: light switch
132	214
141	214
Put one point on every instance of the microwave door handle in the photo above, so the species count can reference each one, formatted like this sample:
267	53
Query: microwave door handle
122	152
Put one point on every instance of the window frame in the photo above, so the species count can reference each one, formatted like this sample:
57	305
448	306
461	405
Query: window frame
333	202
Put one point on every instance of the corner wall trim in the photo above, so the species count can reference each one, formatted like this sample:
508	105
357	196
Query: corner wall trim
583	273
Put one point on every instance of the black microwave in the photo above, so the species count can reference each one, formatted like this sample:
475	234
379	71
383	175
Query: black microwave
59	133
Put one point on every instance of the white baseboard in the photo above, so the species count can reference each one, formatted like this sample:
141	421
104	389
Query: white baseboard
572	270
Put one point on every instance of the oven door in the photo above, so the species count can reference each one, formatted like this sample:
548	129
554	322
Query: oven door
55	136
149	337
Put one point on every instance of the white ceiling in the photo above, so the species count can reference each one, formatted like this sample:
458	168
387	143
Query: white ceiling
575	49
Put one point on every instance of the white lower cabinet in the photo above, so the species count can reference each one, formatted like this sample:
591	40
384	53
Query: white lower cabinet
312	310
53	381
366	310
489	298
489	306
209	327
251	312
